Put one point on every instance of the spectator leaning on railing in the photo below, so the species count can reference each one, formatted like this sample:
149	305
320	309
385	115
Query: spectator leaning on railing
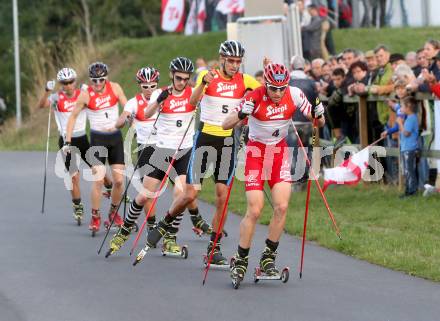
382	84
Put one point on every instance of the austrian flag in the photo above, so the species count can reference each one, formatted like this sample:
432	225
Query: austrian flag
349	172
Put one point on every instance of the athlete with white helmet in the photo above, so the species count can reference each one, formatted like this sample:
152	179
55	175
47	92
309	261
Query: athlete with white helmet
148	80
269	110
101	99
63	102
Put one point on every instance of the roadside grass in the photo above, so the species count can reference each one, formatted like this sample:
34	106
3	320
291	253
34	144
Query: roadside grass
399	40
375	224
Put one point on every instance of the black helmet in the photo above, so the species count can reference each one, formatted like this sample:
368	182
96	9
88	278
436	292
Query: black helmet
231	48
98	70
182	64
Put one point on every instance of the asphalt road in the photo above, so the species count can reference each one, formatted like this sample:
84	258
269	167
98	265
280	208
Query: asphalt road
50	270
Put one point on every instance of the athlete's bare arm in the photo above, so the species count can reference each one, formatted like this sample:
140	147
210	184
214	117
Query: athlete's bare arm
231	120
81	103
122	118
119	92
44	101
198	91
152	107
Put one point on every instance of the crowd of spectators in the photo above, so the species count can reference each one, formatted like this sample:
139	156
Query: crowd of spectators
377	72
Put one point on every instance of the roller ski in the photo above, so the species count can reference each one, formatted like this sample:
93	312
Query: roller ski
153	238
218	260
267	269
78	211
171	248
238	269
114	217
200	227
118	240
95	223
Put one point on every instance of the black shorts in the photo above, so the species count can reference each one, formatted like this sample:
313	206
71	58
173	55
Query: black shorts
161	158
209	150
106	146
79	147
144	154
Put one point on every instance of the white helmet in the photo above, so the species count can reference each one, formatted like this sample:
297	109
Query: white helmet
66	74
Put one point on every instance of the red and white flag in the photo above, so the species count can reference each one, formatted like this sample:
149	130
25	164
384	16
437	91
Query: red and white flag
173	15
349	172
196	17
230	6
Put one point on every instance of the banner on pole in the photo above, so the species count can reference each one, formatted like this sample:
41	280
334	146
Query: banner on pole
173	15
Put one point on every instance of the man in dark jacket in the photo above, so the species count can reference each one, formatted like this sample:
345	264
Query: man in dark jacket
299	79
312	34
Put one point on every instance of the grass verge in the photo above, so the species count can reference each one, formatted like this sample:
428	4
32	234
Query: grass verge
399	234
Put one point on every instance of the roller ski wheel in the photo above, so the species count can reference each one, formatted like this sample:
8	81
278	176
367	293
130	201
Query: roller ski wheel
78	211
183	253
235	279
260	275
141	255
78	220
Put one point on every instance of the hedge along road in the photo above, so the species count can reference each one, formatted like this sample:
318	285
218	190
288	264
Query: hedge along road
50	269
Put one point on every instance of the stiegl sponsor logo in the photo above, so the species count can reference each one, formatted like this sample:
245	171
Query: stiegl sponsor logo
272	111
100	101
178	103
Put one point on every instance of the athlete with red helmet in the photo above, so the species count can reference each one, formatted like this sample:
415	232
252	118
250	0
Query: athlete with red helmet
269	110
148	80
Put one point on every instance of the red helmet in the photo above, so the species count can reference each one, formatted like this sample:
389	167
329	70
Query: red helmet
147	74
276	75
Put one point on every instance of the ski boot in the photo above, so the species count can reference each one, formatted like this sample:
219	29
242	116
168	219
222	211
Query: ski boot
170	247
153	238
238	269
118	240
218	260
149	228
78	211
267	269
95	223
200	226
113	219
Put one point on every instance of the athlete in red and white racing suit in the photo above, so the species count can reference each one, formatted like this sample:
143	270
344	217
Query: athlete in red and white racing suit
269	110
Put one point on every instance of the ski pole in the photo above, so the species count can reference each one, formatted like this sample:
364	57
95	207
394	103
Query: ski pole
219	228
314	177
162	183
315	143
46	160
222	218
128	185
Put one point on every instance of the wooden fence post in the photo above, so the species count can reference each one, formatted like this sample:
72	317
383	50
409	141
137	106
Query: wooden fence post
363	122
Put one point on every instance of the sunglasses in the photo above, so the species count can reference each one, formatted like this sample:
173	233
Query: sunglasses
65	83
149	86
275	88
98	80
179	79
233	61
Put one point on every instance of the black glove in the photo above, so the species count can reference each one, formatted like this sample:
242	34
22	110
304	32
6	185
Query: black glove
163	95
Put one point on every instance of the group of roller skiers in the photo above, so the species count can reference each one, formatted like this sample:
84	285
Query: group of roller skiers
164	121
